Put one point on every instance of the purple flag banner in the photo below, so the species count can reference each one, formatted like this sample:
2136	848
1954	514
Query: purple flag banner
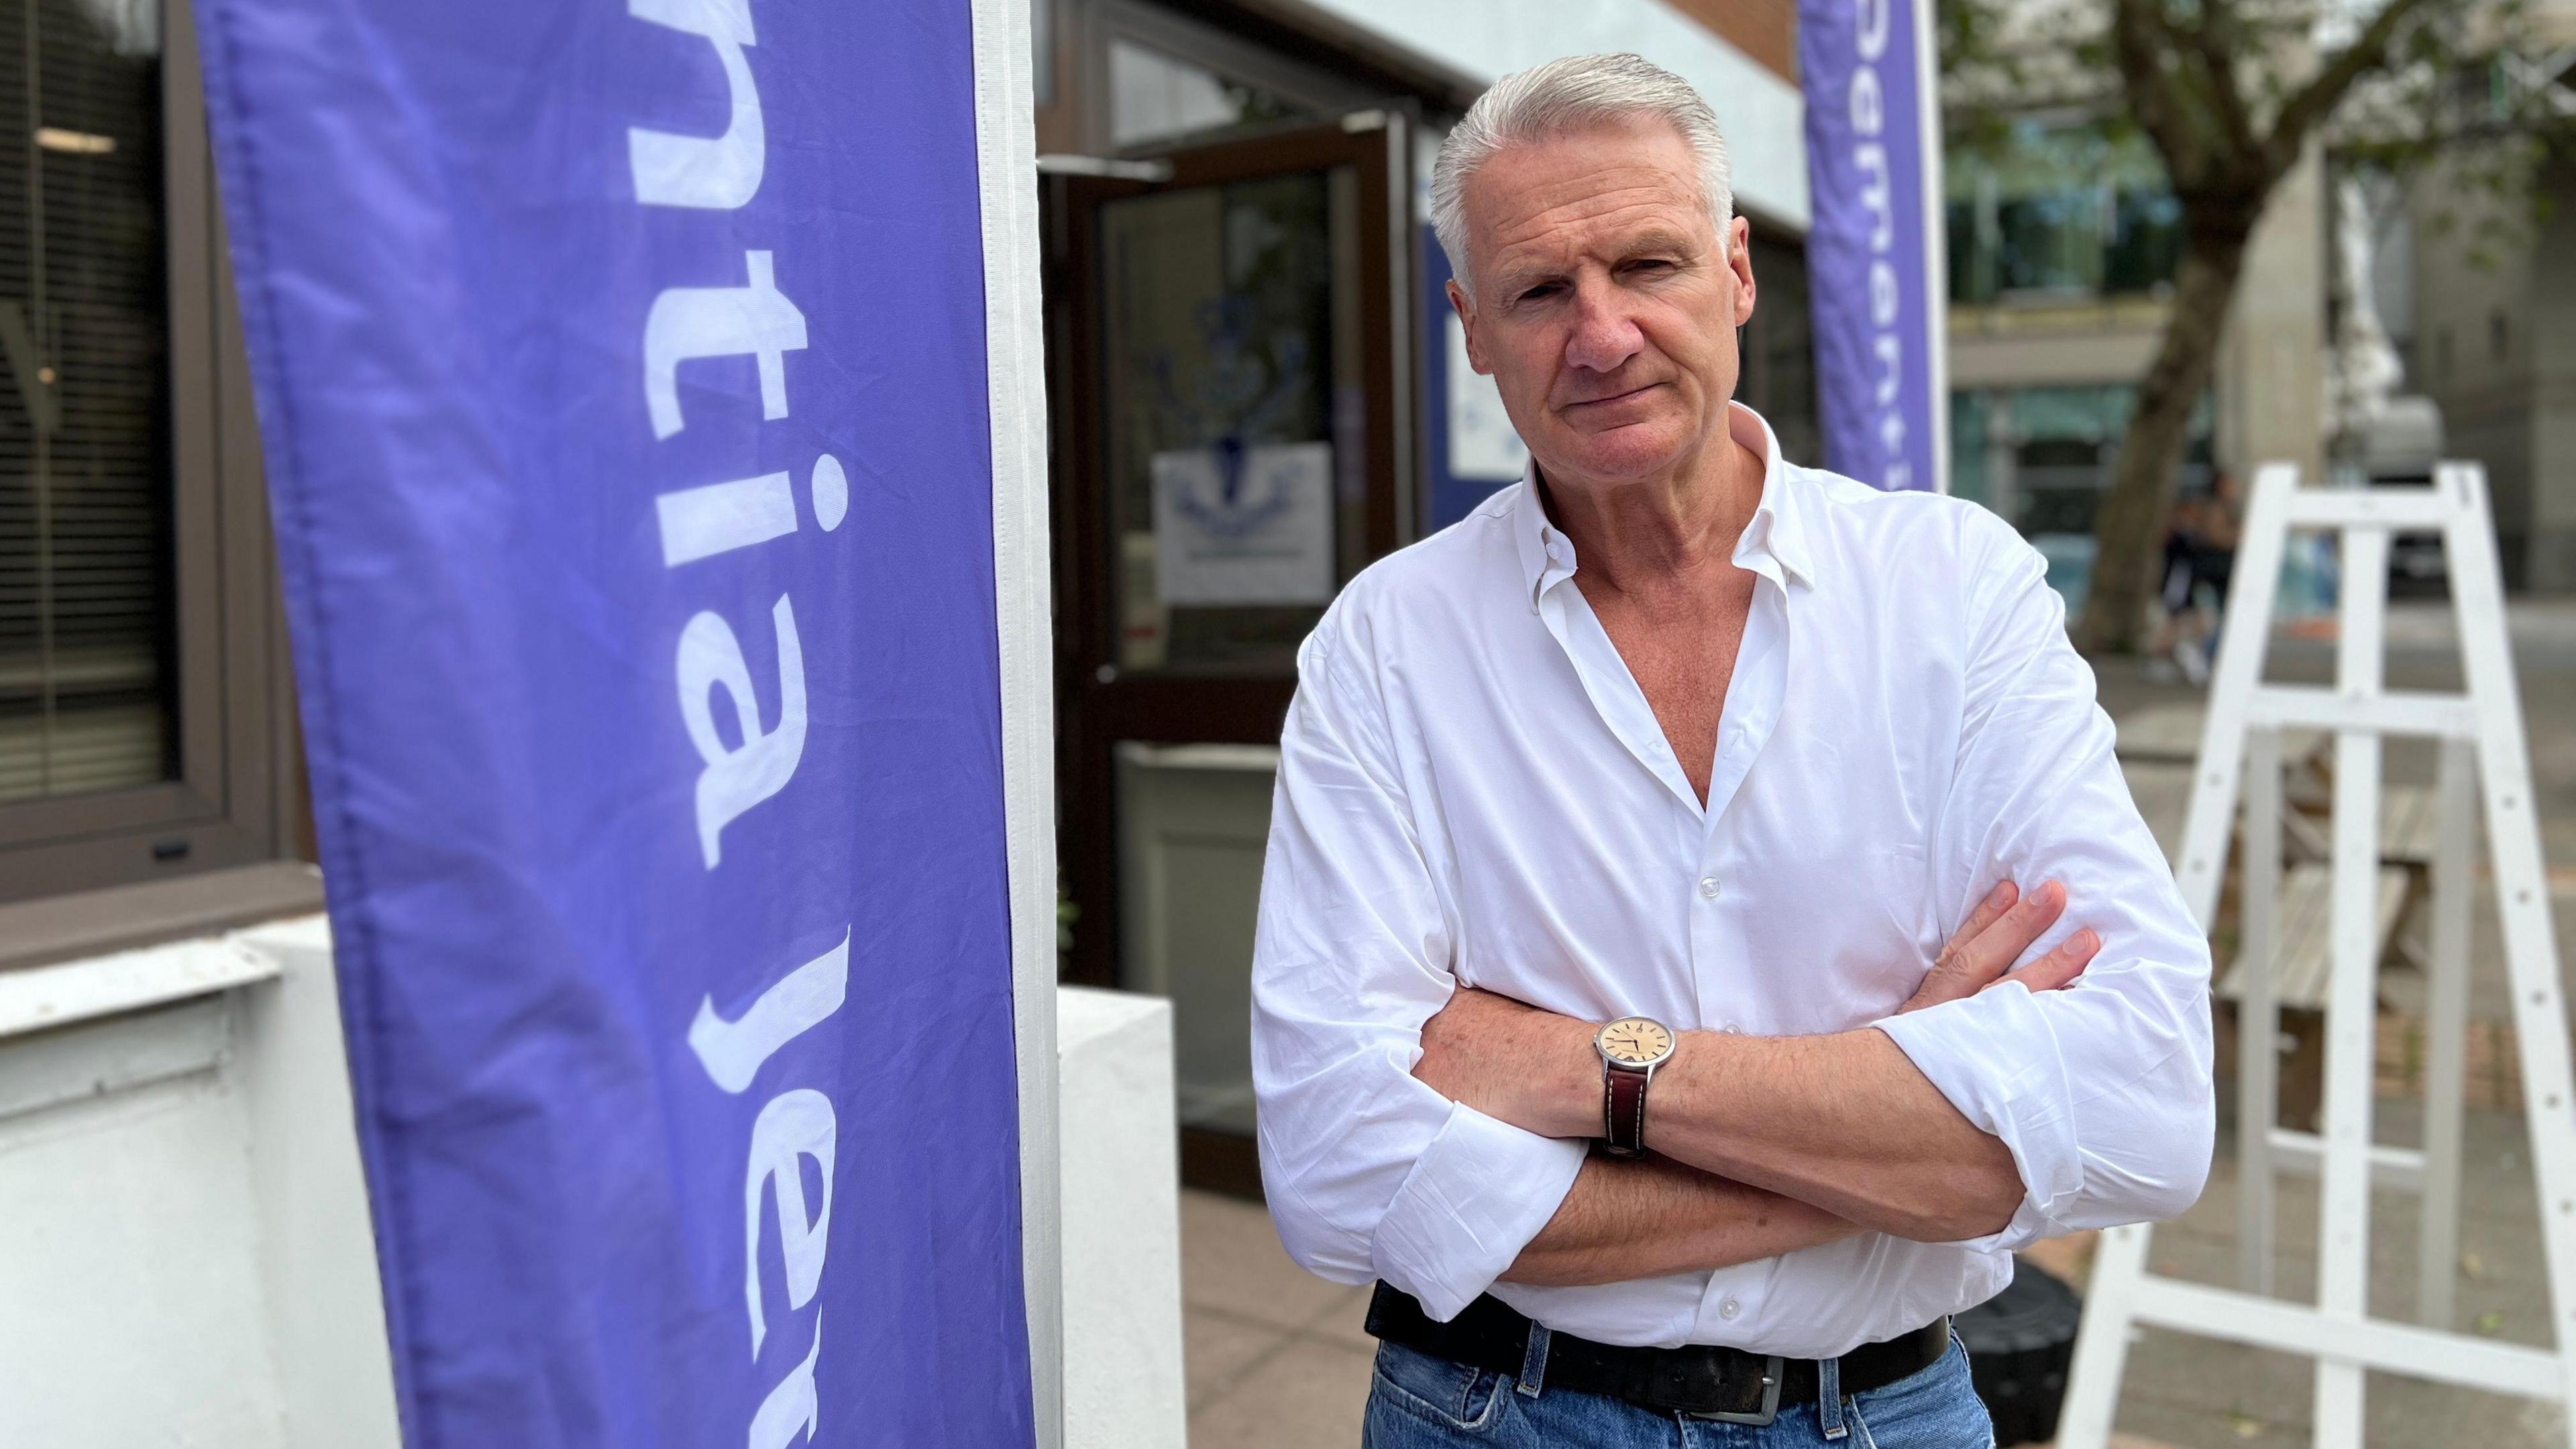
622	377
1876	277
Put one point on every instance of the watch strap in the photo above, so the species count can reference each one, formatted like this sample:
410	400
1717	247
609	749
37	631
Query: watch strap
1623	1110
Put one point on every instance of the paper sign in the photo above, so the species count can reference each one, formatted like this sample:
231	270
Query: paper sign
1482	443
1244	526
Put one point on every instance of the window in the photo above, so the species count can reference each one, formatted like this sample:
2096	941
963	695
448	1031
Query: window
2042	456
1157	97
1229	339
1970	477
2059	211
1159	78
141	660
85	633
1779	365
2145	245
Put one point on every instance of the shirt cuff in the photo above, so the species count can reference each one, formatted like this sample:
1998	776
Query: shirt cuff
1995	1056
1473	1201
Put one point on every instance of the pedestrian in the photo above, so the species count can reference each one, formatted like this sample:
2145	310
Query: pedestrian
2200	561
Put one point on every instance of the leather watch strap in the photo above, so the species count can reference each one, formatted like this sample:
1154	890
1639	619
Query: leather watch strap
1623	1111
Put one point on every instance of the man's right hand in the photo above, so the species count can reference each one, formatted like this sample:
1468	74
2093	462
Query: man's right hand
2001	928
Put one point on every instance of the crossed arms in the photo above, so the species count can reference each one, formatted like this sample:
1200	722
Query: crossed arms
1763	1145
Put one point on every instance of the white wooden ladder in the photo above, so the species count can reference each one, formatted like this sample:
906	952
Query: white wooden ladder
2481	740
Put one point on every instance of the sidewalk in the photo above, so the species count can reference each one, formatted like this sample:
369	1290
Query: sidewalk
1275	1357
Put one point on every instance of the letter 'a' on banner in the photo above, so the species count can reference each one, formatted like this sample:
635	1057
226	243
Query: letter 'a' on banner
650	406
1877	277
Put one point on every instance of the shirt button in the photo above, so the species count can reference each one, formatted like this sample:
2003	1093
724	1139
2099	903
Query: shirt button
1729	1309
1708	887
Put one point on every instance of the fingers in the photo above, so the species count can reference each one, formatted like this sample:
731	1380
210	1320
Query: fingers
2002	943
2003	927
1997	901
2062	965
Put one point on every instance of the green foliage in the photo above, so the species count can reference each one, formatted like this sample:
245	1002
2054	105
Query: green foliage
2230	91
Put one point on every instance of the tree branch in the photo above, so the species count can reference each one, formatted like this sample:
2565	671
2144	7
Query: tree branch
2139	42
2303	112
2213	39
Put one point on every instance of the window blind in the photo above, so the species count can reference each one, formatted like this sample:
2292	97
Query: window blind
87	679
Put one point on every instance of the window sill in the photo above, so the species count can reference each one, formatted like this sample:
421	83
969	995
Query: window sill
122	918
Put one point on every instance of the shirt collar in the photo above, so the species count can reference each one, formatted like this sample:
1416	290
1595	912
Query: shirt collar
1772	535
1774	532
1547	555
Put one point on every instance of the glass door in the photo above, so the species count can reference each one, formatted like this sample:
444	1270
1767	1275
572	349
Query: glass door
1229	450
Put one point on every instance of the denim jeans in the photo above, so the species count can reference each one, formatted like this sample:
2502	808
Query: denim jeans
1421	1402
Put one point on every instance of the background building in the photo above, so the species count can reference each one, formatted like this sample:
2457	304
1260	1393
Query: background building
2485	318
2062	251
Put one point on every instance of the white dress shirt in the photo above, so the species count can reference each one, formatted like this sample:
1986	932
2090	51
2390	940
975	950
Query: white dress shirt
1474	791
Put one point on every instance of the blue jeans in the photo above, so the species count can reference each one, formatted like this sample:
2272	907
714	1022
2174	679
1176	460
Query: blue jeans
1421	1402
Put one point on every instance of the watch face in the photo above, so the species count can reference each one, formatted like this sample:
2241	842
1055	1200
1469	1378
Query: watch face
1636	1041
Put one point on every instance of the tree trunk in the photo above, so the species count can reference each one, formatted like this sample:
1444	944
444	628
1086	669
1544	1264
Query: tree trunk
2128	531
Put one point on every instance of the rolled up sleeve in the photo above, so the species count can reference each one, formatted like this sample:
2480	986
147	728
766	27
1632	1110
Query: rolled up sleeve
2102	1090
1370	1173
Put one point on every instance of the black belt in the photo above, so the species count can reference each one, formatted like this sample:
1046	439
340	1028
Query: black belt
1705	1381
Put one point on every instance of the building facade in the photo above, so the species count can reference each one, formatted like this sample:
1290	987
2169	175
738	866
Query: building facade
2063	242
2486	322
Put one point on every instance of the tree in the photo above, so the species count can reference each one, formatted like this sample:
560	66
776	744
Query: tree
2231	93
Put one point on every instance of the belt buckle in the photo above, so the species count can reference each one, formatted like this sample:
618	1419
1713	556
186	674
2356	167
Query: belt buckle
1772	1375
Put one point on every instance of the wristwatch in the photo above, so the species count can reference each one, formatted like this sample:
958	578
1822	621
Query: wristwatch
1631	1048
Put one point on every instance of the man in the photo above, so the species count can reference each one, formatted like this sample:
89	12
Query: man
1601	1006
2200	549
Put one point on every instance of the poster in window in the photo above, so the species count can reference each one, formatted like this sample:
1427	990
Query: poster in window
1482	442
1243	525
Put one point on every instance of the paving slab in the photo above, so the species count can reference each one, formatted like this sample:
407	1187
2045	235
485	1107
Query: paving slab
1218	1349
1231	1260
1308	1394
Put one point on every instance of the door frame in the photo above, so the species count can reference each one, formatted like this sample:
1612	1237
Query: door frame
1099	706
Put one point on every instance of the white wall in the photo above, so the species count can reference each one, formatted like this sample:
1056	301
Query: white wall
130	1300
185	1256
1123	1387
325	1306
